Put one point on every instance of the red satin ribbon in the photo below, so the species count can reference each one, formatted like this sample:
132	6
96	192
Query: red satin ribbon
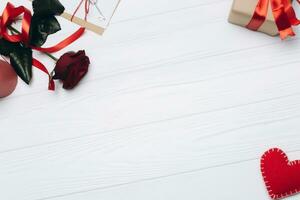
69	40
283	13
10	13
40	66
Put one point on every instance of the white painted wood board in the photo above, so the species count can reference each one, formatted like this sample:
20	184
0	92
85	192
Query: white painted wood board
178	104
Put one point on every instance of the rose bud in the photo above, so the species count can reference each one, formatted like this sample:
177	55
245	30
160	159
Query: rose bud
70	68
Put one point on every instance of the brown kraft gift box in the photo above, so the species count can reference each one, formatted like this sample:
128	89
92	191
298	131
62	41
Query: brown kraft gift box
242	12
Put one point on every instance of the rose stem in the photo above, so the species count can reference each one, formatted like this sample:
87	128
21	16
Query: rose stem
48	54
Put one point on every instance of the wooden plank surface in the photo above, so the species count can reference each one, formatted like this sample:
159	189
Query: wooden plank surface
178	104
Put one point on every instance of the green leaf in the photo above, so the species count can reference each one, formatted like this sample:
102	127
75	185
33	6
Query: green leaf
21	60
7	47
41	27
47	7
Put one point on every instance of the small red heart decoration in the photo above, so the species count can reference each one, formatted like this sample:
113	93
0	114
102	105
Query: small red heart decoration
281	176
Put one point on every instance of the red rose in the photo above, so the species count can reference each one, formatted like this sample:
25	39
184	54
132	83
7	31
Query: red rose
71	68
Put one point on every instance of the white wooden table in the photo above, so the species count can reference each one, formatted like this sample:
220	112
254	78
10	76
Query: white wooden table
178	105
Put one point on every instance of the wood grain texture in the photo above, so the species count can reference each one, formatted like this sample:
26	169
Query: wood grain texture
175	98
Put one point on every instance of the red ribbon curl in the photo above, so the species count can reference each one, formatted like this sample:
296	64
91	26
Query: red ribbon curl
283	13
10	14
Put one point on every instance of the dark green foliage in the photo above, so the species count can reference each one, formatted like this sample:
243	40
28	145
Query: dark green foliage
47	7
41	27
21	60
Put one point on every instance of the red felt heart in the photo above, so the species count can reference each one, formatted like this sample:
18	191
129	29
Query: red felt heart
281	176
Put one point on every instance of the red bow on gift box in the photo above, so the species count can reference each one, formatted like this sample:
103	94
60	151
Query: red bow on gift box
283	13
